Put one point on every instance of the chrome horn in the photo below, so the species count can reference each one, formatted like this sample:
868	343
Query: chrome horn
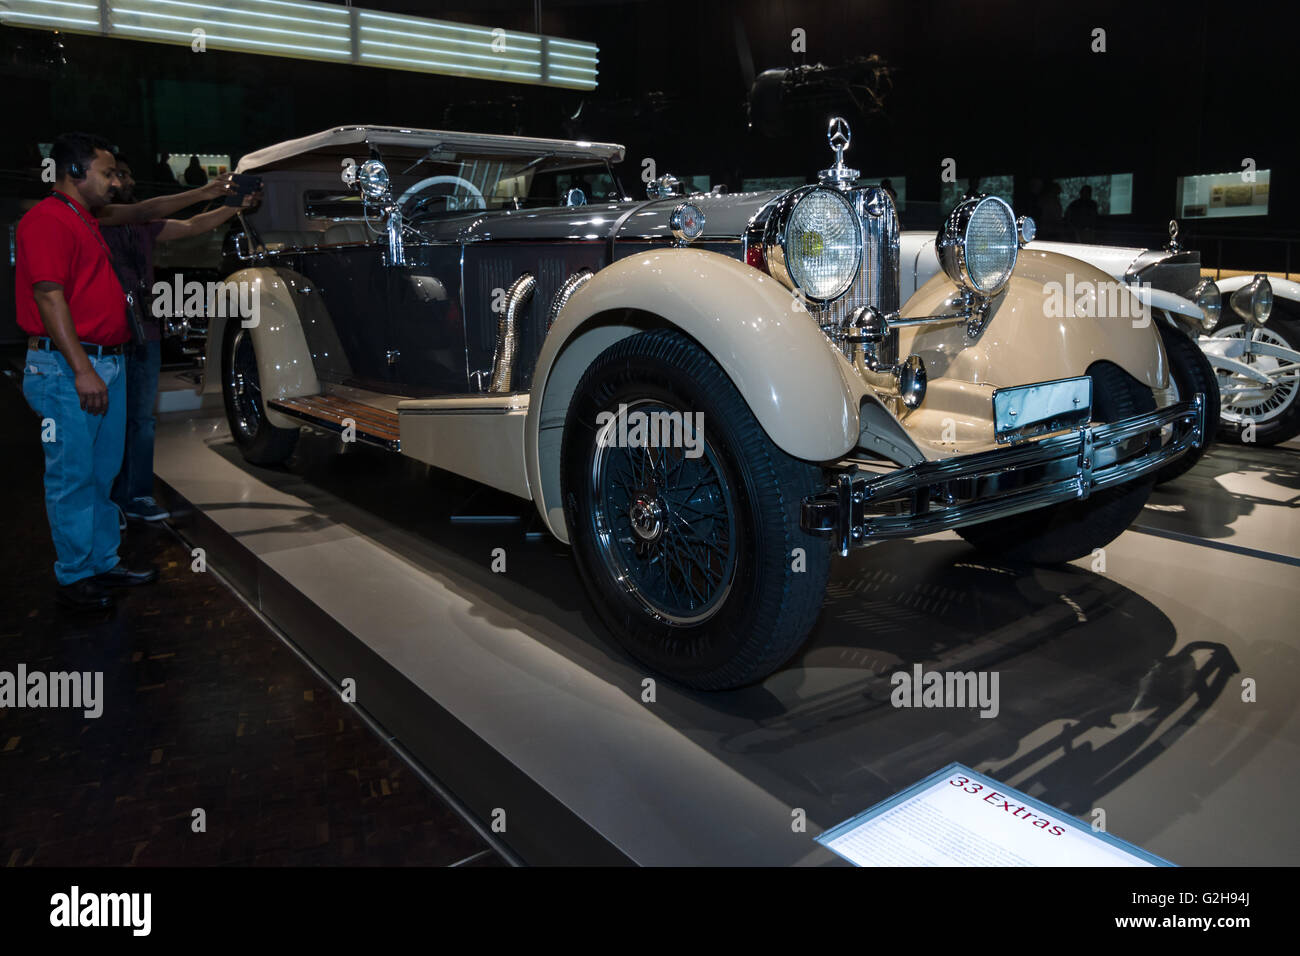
868	334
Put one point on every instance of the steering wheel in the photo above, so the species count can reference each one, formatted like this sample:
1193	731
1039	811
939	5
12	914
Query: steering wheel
473	190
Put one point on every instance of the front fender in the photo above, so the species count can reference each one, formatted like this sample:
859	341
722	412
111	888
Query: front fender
1171	303
1023	342
801	390
284	362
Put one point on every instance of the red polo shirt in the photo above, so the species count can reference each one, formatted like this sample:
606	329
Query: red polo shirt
54	245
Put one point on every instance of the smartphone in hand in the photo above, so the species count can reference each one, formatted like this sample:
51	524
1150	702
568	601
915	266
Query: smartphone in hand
244	185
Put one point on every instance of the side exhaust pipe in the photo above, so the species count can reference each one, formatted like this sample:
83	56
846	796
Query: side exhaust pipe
565	292
507	350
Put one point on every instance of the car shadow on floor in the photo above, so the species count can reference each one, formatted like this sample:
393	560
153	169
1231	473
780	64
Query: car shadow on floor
1199	504
1092	684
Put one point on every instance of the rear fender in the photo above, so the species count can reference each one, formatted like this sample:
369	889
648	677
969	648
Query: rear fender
284	363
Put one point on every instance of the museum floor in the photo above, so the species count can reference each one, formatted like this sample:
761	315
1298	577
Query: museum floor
205	708
1121	685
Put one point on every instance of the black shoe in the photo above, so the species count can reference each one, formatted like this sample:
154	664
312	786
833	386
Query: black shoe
84	595
120	577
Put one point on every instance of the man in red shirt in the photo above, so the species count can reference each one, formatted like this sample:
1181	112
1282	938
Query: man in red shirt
70	302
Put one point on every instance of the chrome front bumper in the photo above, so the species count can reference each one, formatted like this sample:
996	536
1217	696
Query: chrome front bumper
856	511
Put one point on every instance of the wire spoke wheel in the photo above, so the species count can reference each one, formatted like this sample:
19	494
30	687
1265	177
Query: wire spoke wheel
684	516
1247	400
665	522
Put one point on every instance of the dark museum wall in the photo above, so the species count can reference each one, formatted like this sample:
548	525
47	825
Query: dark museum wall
1000	87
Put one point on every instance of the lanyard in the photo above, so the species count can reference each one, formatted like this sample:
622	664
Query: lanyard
95	232
132	320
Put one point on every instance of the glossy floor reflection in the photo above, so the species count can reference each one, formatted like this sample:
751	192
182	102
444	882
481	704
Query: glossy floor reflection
1121	677
203	708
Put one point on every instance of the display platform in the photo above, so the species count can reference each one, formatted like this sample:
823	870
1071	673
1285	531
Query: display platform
1120	686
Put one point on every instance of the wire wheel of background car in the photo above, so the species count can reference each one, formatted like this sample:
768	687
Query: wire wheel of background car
1190	372
1274	411
1074	529
260	442
691	551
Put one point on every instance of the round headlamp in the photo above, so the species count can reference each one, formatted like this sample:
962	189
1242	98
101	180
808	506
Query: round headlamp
1254	302
978	244
1208	299
372	177
821	244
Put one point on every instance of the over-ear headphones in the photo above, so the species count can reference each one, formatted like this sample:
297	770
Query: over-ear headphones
76	171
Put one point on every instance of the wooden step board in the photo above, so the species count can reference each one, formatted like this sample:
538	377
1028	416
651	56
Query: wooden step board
374	426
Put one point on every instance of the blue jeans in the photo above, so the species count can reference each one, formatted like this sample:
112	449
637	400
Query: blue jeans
136	479
83	454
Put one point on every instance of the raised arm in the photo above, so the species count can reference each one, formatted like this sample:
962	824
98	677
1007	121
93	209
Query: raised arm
160	207
204	221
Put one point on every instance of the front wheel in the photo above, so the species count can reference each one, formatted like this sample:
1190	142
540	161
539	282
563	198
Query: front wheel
1075	529
684	516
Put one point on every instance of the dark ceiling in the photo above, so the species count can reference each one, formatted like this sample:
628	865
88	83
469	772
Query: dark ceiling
1000	87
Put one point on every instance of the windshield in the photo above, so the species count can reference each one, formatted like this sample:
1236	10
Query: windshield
447	184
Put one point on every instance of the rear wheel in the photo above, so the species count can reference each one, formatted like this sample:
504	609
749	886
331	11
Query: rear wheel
1075	529
691	551
1191	372
260	442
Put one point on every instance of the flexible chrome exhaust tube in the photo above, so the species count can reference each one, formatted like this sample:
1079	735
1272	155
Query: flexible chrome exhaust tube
503	362
565	292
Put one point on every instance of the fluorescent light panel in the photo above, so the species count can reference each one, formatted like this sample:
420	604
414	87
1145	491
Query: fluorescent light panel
323	31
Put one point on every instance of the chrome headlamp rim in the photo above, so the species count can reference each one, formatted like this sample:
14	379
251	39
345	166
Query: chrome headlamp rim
1209	300
774	239
1254	301
372	179
950	245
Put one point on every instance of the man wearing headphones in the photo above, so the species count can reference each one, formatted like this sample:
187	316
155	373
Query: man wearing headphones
70	303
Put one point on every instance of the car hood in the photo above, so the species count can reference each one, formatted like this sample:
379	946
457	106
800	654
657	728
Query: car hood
1113	260
1174	272
725	217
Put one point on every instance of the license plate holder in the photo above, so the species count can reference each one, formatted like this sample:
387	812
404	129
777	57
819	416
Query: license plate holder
1027	411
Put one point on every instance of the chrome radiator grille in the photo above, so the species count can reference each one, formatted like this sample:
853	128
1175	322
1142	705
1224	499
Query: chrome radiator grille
876	283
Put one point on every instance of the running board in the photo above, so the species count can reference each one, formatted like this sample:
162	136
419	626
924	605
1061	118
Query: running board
374	426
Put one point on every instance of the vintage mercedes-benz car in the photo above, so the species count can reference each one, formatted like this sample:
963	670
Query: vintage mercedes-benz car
706	396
